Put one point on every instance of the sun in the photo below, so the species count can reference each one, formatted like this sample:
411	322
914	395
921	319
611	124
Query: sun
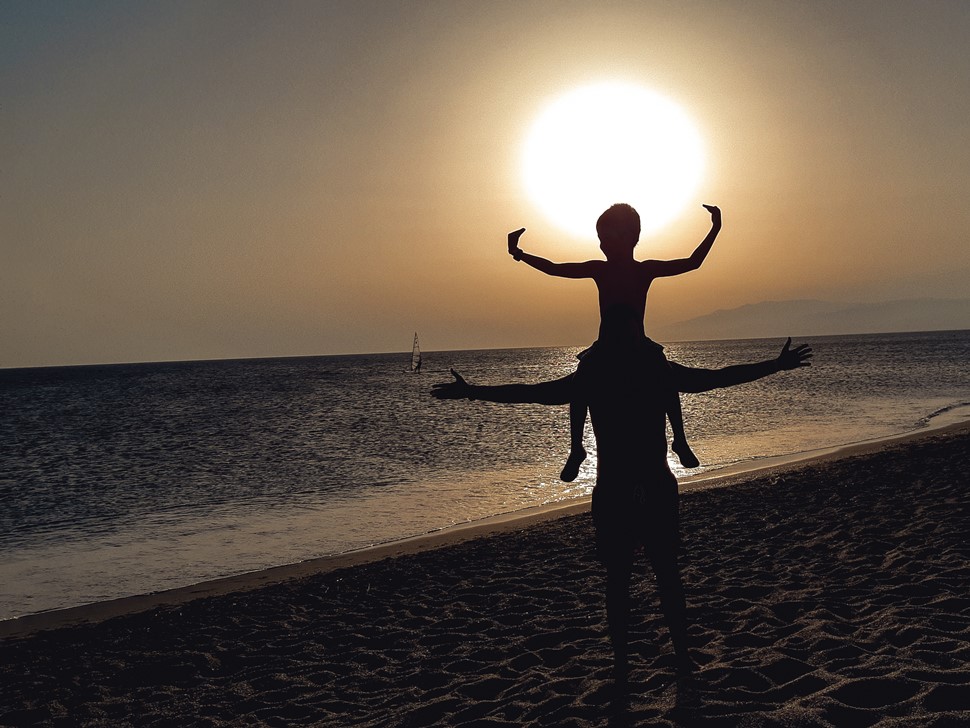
607	143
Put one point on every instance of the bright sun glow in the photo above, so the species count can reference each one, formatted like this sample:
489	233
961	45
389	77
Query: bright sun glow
607	143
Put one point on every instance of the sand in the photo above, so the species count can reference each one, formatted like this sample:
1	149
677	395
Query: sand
834	592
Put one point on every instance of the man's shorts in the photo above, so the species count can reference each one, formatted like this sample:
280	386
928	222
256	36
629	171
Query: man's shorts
629	517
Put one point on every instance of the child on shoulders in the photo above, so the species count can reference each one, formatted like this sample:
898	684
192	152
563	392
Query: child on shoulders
622	283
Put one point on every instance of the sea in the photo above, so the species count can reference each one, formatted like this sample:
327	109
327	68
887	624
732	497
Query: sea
127	479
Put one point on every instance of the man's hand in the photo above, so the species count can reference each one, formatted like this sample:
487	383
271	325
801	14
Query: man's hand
514	250
458	389
715	213
793	358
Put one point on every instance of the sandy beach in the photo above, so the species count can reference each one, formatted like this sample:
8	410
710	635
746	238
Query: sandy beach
833	592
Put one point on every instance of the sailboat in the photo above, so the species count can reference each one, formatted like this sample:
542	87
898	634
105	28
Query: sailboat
415	356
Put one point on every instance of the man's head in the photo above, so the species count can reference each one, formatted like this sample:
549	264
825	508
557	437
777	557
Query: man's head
618	228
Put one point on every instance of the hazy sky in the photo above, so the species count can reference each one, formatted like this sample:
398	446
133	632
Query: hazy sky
186	180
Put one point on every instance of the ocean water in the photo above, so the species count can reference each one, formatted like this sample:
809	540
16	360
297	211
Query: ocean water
126	479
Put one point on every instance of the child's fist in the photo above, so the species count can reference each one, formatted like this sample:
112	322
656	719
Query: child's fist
514	243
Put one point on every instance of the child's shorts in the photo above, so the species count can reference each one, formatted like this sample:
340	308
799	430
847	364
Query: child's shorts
649	353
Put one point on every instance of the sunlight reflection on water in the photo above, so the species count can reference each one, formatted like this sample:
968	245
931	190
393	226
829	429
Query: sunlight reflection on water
126	479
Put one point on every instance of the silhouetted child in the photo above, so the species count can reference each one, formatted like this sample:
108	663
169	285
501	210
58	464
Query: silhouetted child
623	283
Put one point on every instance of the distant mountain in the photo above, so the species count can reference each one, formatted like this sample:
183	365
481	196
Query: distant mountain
818	318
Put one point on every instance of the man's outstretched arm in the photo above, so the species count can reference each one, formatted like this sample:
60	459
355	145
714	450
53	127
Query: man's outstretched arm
556	391
687	379
690	379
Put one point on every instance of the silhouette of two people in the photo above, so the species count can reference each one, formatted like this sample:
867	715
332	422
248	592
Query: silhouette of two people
629	389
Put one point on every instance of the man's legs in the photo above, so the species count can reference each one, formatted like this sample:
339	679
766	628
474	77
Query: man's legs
618	572
660	536
672	602
614	548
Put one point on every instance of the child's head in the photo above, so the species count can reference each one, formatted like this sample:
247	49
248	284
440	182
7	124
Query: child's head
619	225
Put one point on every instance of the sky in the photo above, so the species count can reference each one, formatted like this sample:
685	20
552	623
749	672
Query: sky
202	180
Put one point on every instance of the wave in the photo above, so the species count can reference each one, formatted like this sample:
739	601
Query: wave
924	421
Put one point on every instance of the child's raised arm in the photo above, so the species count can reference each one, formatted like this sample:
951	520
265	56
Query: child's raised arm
562	270
661	268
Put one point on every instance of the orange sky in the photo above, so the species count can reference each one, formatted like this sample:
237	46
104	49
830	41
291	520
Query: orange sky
226	180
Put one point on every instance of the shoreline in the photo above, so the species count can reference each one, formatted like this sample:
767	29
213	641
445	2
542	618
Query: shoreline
726	477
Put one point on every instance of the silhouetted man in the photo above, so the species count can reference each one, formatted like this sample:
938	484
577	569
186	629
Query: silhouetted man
635	500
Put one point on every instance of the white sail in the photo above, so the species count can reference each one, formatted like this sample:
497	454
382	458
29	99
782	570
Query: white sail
416	355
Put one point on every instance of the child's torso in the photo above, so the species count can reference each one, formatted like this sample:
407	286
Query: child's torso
623	285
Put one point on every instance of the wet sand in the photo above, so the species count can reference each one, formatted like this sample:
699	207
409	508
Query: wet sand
833	592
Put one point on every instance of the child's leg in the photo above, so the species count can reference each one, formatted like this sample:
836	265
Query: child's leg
577	426
672	404
687	457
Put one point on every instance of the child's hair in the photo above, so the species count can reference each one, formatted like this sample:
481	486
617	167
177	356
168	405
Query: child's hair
619	221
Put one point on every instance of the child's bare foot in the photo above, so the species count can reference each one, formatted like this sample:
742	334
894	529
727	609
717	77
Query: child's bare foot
571	469
687	457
